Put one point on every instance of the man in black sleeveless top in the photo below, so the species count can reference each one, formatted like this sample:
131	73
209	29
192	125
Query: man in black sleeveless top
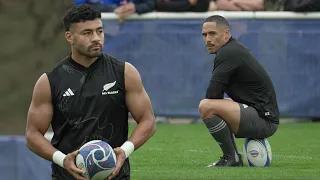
253	111
87	96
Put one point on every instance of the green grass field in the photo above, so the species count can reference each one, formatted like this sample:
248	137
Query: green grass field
183	151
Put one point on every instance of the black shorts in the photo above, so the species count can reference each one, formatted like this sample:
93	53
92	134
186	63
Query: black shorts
252	125
124	173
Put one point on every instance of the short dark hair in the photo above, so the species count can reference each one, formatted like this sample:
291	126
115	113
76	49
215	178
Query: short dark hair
80	13
219	20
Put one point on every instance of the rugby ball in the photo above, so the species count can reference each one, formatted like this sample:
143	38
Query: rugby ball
97	159
257	152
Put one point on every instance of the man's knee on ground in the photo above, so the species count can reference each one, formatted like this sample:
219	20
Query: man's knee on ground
206	108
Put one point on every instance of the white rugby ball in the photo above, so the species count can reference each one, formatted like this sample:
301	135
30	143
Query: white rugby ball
257	152
97	159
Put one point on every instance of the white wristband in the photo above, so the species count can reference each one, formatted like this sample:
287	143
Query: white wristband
58	158
128	148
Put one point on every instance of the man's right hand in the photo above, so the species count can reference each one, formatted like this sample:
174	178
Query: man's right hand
70	166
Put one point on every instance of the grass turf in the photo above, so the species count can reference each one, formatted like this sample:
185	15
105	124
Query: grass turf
183	151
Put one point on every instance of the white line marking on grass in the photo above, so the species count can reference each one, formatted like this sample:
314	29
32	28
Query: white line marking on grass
293	157
168	149
277	156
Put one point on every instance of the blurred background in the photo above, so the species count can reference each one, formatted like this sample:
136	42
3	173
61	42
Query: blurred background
162	39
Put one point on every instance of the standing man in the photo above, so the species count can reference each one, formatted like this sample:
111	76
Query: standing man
88	96
253	111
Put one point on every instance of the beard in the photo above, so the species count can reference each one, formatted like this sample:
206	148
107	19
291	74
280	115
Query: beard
90	52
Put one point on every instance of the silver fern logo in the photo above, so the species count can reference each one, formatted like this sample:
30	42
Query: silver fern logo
108	86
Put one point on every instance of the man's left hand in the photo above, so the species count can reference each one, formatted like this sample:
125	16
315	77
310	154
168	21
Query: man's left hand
121	157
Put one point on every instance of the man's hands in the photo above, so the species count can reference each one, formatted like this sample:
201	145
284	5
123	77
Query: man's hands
239	5
70	166
227	5
126	9
121	157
